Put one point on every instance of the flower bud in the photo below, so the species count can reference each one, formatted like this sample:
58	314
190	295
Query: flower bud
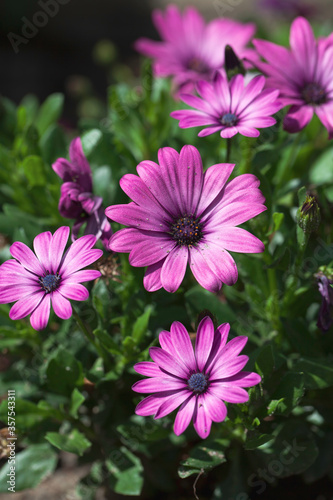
308	215
233	65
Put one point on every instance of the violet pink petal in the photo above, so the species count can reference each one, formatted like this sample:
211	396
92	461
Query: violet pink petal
244	181
164	360
125	239
83	244
41	245
236	239
182	344
184	415
220	339
74	291
248	197
215	178
233	214
12	272
62	167
220	262
236	91
201	419
40	316
27	258
174	267
248	131
148	406
166	342
135	216
303	45
228	132
325	115
81	260
61	306
209	131
202	271
152	278
215	408
137	190
154	179
228	368
57	247
190	172
233	348
148	369
171	403
158	384
25	306
82	276
243	379
204	341
17	292
297	118
229	393
151	250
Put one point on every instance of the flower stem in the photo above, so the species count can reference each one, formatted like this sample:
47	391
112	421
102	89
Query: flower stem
88	334
228	154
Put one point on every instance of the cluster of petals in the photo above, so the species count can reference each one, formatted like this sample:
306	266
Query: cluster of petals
230	107
50	275
77	200
181	215
303	75
198	381
192	50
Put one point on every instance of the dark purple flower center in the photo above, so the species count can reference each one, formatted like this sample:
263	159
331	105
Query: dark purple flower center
229	120
196	64
50	282
197	382
186	230
313	93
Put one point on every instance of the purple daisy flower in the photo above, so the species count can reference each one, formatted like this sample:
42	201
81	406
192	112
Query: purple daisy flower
303	75
229	107
192	50
199	381
77	200
180	215
50	276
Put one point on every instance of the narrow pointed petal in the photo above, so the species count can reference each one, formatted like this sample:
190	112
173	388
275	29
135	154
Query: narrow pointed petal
204	342
202	272
182	344
152	278
157	384
173	268
40	316
61	306
184	415
167	362
25	306
215	408
229	393
42	244
171	403
201	419
57	247
27	258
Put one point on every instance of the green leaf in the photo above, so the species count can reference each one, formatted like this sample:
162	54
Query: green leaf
289	391
90	140
254	439
141	325
28	414
53	144
31	466
33	167
105	338
265	362
318	372
77	399
199	299
75	442
126	472
204	456
322	171
64	372
278	218
49	112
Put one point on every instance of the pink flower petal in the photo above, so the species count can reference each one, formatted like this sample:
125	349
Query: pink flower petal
202	272
152	278
42	249
201	419
25	306
229	368
138	217
182	344
204	342
158	384
26	257
220	339
215	178
17	292
79	261
215	408
164	360
61	306
171	403
219	261
74	291
57	247
184	415
173	268
151	250
82	276
229	393
243	379
297	118
149	369
236	239
40	316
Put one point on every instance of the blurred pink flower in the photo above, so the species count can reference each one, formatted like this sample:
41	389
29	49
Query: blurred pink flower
192	50
303	75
